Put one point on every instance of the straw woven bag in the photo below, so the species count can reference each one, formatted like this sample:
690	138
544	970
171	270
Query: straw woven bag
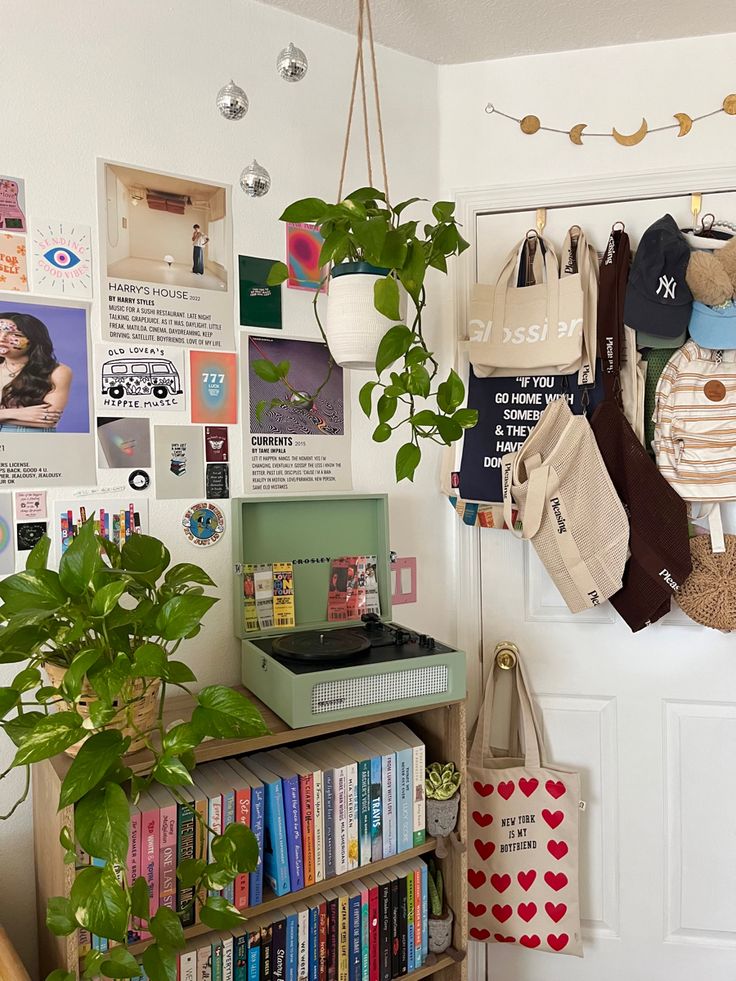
567	507
708	595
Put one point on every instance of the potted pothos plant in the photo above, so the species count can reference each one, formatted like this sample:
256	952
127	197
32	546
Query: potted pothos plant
107	628
378	256
440	919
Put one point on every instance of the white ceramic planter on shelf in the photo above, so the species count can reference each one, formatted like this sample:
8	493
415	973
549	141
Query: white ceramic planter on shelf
353	326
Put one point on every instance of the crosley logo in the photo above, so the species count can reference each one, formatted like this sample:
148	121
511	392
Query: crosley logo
669	579
667	283
557	511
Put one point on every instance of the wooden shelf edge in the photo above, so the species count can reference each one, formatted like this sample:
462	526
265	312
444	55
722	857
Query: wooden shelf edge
276	902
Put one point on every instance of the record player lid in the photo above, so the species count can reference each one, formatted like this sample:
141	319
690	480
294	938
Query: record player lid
321	645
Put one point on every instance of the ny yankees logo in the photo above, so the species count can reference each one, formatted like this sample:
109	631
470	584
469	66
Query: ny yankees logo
668	284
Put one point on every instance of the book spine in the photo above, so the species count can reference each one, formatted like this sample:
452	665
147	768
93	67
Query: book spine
134	865
257	811
306	803
240	958
410	932
403	923
384	931
278	956
343	959
341	821
418	958
254	955
419	819
150	847
217	960
201	834
302	956
394	928
404	803
388	789
276	860
373	934
354	965
228	817
319	829
228	959
322	955
188	966
376	810
242	816
292	946
292	813
204	963
167	857
313	954
364	935
84	939
267	952
353	845
332	948
328	811
185	850
425	915
364	812
214	819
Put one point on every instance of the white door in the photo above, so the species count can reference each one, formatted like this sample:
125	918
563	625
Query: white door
649	719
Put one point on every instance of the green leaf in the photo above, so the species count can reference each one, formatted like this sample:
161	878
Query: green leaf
412	273
39	554
451	393
61	975
386	298
102	823
100	902
277	274
18	728
52	735
46	693
406	204
159	963
184	573
146	556
449	430
333	247
307	209
407	461
382	432
417	355
419	382
170	771
225	713
260	409
443	210
180	739
190	871
140	901
179	673
365	397
107	679
149	661
89	767
9	698
165	927
394	251
60	917
386	408
394	343
236	848
266	370
81	560
33	591
75	673
370	236
466	418
101	714
180	615
438	261
219	914
364	194
106	599
426	418
120	963
92	961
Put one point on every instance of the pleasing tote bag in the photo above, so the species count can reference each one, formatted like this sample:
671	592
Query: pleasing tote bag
523	831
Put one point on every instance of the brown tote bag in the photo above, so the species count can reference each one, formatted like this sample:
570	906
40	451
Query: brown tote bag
523	836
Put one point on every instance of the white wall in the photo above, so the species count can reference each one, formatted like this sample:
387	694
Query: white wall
118	210
154	234
132	96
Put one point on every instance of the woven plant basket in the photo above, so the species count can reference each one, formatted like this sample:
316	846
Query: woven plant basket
708	595
353	326
144	710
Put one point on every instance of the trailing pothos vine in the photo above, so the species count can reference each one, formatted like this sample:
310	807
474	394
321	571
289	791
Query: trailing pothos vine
364	227
114	619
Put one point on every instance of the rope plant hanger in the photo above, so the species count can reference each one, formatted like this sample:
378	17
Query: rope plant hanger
376	261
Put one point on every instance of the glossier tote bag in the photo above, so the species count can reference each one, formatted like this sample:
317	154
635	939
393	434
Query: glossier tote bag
523	836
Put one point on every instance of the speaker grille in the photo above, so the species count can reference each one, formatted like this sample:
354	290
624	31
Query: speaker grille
333	696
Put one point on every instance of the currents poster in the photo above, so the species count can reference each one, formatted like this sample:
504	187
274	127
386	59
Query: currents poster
165	258
304	444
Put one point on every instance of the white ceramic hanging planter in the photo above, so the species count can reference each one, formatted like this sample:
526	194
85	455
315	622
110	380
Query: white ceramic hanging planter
353	326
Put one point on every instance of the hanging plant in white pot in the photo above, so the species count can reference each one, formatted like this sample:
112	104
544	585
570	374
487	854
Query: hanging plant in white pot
354	325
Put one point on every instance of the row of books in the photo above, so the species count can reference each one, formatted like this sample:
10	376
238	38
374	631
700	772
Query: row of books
374	929
317	811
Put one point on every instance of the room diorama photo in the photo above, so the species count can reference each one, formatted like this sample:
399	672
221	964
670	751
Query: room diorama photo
367	482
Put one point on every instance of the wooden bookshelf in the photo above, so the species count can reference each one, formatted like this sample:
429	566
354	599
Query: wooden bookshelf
443	730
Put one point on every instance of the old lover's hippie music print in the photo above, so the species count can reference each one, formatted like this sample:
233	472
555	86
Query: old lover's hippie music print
538	834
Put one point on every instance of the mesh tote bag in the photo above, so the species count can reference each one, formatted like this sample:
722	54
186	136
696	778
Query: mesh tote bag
558	495
523	830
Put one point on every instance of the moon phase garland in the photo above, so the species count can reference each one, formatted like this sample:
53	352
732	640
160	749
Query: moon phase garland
531	124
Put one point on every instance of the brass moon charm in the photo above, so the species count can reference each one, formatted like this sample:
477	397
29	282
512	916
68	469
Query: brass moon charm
729	105
633	138
530	125
576	133
686	123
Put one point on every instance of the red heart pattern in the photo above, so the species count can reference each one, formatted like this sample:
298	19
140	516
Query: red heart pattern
478	909
555	913
555	788
558	942
527	911
526	879
482	820
555	880
527	787
502	913
532	941
484	848
500	882
499	938
553	818
506	789
478	934
476	878
484	789
558	849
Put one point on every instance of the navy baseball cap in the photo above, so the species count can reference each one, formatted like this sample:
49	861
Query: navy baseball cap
658	299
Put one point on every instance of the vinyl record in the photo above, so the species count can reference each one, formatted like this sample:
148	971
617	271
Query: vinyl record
315	645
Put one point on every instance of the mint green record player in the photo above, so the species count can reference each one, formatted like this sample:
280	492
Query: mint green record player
319	670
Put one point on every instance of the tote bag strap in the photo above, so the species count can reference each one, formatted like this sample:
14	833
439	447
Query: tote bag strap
613	279
552	284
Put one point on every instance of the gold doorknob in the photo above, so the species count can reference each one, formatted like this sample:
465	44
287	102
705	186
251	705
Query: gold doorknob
506	655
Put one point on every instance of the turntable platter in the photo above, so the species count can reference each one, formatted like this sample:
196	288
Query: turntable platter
315	645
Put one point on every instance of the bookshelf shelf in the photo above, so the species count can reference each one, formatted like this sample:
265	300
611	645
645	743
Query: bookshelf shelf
442	729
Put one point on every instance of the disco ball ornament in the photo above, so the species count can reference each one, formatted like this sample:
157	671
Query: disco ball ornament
255	180
292	64
232	101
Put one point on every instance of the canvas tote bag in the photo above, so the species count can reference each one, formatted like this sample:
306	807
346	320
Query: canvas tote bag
545	329
523	830
558	494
